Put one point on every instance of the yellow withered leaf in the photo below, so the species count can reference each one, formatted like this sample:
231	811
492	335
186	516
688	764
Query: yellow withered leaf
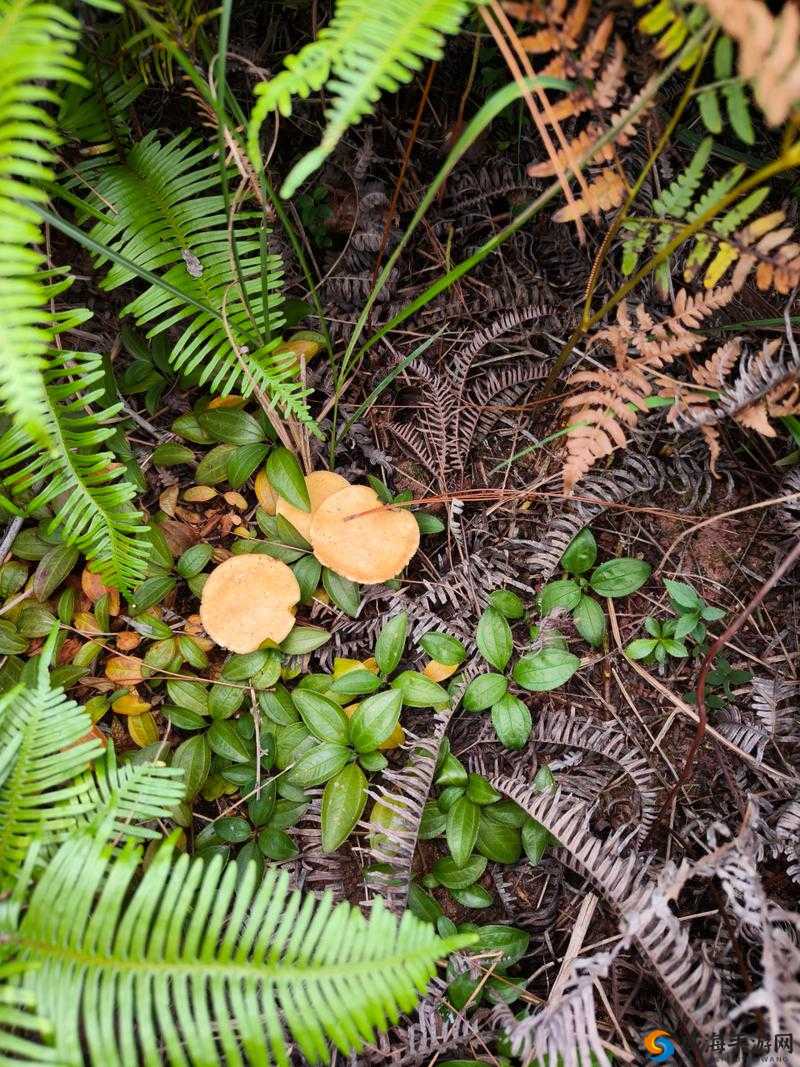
125	670
143	729
130	704
437	672
199	494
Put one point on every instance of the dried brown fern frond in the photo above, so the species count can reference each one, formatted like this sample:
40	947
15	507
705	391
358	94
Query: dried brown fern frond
553	727
393	838
612	398
766	387
769	51
621	876
597	67
565	1030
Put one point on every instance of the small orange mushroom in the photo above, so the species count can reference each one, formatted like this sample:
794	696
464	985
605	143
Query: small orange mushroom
357	536
247	600
320	485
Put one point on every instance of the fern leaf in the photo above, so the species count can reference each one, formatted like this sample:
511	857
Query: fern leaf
365	50
95	513
166	203
677	198
37	42
203	961
617	396
19	1023
48	792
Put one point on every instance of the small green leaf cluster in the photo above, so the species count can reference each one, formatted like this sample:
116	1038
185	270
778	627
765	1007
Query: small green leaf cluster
668	638
719	684
614	578
330	729
479	825
257	831
504	947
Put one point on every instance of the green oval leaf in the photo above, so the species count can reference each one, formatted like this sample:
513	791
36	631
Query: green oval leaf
590	620
545	670
509	941
243	461
511	720
286	478
419	691
443	648
322	717
562	595
507	603
535	840
307	571
344	593
53	568
581	553
231	427
194	758
171	454
463	820
641	648
391	643
498	841
451	876
213	467
472	896
226	741
304	639
319	764
278	707
493	638
277	845
343	802
356	683
484	691
193	560
619	577
152	591
375	719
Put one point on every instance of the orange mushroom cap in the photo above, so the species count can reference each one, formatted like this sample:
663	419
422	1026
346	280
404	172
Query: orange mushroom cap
357	536
320	485
247	600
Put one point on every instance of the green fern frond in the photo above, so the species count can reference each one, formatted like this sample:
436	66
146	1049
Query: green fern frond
42	793
37	42
95	513
732	91
48	792
133	794
20	1025
204	963
168	215
677	198
679	204
97	114
365	49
